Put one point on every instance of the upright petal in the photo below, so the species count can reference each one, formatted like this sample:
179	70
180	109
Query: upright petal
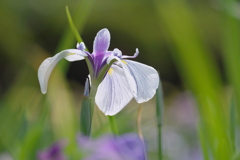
48	65
101	42
146	78
113	93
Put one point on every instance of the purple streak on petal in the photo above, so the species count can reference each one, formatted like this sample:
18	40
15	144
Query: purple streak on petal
102	63
90	57
98	59
53	153
101	42
100	47
104	60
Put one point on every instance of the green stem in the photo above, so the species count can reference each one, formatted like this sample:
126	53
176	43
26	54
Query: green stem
232	123
203	142
139	117
139	129
159	112
87	109
113	125
86	116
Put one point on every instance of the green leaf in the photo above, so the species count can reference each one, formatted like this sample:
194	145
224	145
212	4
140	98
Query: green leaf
74	29
199	72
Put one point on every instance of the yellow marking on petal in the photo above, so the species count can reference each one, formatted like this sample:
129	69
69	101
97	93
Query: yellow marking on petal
110	71
124	62
71	54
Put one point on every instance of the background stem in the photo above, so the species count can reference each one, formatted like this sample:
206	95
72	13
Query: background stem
159	112
139	128
113	125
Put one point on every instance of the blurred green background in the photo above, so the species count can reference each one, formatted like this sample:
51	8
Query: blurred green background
194	44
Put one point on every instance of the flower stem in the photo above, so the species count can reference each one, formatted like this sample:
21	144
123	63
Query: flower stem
232	123
87	108
139	117
139	129
159	111
113	125
86	118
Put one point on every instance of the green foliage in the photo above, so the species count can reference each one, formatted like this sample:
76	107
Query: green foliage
189	38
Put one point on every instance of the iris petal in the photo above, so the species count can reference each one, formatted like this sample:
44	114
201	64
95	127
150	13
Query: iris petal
130	79
113	93
134	56
101	42
48	65
146	78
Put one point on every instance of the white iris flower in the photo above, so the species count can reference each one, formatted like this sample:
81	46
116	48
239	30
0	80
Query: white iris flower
123	80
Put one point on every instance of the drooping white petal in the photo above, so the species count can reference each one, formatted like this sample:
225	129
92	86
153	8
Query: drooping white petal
146	78
48	65
113	93
129	77
101	41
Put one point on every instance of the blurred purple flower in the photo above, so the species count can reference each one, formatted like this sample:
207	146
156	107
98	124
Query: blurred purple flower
125	147
55	152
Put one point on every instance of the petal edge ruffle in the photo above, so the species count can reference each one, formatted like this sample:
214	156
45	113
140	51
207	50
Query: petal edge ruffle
146	78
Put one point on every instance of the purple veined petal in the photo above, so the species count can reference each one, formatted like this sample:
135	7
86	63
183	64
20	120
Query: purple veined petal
146	78
113	93
130	79
134	56
48	65
105	58
101	42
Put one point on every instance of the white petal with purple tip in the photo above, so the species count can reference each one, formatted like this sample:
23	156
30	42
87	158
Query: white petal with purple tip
113	93
48	65
146	78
